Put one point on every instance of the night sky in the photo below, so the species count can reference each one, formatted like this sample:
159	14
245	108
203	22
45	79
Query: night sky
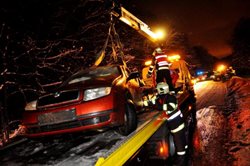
207	22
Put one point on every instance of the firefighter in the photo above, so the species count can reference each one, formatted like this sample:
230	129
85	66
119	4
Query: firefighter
161	65
175	121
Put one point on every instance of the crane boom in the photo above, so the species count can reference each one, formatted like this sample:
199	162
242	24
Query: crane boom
131	20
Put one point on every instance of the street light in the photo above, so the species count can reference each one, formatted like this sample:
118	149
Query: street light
221	68
160	34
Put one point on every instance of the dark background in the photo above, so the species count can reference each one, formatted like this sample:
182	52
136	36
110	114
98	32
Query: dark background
209	23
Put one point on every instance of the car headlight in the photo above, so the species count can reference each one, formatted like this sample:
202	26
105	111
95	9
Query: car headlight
31	106
91	94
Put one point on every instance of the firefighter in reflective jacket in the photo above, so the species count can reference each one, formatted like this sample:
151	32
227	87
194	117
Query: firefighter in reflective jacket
175	120
161	65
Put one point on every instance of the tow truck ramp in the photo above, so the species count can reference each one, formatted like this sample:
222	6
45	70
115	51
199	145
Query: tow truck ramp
121	153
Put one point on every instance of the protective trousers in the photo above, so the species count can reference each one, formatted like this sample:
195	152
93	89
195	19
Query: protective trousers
164	75
177	126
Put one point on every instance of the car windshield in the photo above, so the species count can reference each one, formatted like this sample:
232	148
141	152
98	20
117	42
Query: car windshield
94	73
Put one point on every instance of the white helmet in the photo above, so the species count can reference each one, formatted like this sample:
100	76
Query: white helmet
162	88
157	51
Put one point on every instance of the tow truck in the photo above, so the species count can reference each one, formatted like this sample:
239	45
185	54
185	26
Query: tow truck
152	139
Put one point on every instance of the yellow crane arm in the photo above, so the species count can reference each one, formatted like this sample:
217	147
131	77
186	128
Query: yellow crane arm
131	20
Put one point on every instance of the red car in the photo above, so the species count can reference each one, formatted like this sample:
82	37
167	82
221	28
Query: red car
92	99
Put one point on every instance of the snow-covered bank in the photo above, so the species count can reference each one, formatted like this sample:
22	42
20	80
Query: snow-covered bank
209	136
222	136
239	121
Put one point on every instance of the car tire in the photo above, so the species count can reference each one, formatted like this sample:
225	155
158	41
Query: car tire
130	119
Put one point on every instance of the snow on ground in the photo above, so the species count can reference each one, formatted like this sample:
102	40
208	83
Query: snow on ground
81	150
239	121
209	120
222	135
209	137
78	159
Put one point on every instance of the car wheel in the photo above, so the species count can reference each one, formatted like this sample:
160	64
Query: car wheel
130	120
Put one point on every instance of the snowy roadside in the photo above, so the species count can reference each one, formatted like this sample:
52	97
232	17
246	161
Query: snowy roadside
239	121
209	136
222	135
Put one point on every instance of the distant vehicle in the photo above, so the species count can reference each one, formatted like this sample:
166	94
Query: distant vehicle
91	99
223	75
230	72
201	78
217	76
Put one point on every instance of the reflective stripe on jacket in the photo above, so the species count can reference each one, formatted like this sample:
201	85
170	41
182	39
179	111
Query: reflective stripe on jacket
160	61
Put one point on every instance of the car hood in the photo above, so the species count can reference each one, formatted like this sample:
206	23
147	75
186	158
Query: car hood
91	83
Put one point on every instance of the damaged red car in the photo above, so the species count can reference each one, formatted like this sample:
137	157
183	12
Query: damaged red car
93	99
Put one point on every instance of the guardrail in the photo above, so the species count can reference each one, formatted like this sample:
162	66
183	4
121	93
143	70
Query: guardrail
132	144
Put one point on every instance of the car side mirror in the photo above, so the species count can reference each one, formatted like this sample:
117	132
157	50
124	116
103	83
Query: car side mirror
133	75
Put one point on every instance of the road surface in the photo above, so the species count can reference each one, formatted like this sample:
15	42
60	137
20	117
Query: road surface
210	93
